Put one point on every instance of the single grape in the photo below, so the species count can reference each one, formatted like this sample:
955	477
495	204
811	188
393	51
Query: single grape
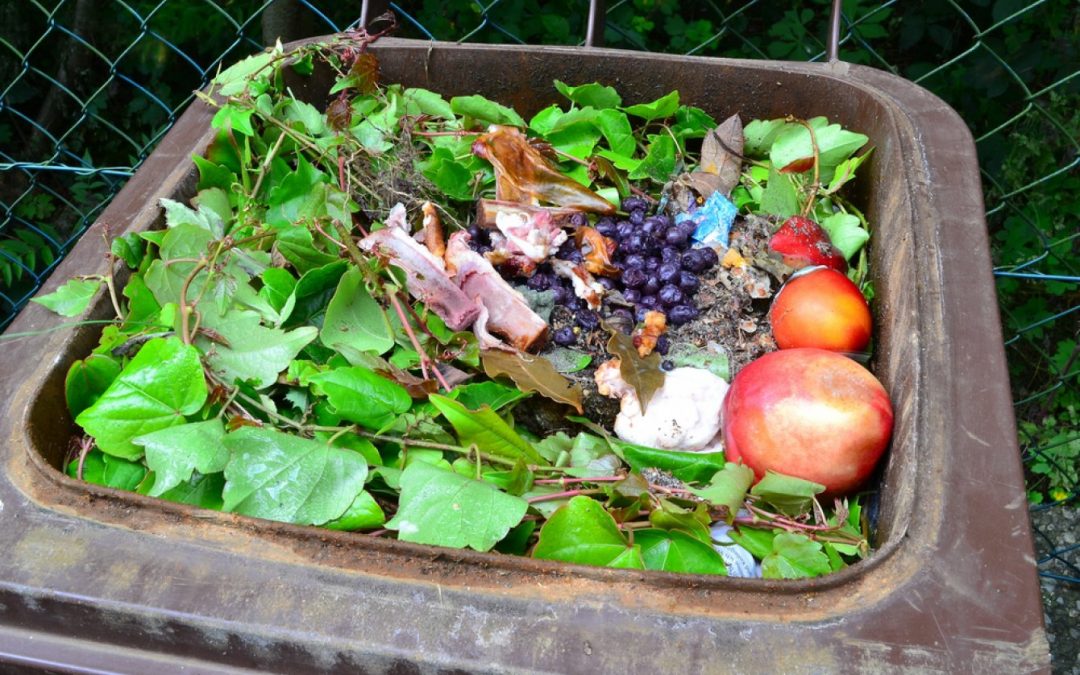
579	219
670	295
539	282
670	254
634	203
624	229
680	314
588	320
649	301
663	344
675	237
652	263
687	227
635	260
639	313
607	282
632	295
708	256
651	286
633	277
606	226
637	217
561	295
688	282
564	336
667	364
692	261
668	273
623	313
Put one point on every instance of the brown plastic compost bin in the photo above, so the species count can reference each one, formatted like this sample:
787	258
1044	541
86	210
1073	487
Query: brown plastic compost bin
115	581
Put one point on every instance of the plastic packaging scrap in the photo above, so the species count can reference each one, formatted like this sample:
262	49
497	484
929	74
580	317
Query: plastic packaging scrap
713	220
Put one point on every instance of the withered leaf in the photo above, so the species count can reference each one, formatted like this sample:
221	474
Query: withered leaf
532	373
643	374
721	155
366	71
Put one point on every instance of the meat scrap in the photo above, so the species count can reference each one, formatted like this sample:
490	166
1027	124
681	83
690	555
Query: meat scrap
425	276
522	174
487	210
508	315
523	240
432	233
585	286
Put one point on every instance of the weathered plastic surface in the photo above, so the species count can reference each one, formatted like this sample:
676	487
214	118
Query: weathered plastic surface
112	580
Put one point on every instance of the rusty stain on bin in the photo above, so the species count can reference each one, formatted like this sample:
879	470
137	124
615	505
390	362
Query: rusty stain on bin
97	577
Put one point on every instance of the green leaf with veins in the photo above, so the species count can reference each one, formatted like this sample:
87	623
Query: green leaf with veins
845	232
674	551
87	379
313	292
363	514
162	384
297	195
759	542
129	248
356	319
444	508
114	472
779	198
659	162
728	488
582	532
238	78
282	477
689	467
618	133
492	394
205	218
72	298
360	395
250	351
794	556
693	521
787	494
834	144
759	136
486	429
447	173
202	491
485	110
173	454
142	305
298	247
661	108
592	94
424	102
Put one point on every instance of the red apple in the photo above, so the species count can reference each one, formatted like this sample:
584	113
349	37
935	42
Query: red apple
821	308
810	413
801	243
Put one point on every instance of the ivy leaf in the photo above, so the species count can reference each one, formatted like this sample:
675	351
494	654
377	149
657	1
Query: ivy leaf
424	102
486	430
792	146
129	248
87	380
759	542
794	556
643	374
237	78
689	467
250	351
282	477
693	521
360	395
659	162
363	514
592	94
845	232
200	490
582	532
72	298
665	106
355	319
444	508
447	173
492	394
293	196
779	198
298	247
532	373
790	495
759	136
204	218
674	551
158	387
485	110
728	488
174	453
617	131
114	472
845	171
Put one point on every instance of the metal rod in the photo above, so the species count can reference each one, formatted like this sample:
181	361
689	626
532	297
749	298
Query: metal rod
594	32
372	9
834	31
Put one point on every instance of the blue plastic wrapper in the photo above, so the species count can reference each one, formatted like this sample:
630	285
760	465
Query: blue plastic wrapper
713	220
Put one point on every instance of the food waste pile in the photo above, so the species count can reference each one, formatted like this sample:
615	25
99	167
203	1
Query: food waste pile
618	334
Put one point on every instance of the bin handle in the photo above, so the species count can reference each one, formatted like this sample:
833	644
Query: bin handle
594	28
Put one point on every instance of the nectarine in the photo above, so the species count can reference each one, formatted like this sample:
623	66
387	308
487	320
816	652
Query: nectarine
821	308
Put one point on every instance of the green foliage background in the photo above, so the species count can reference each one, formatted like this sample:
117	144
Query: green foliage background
88	87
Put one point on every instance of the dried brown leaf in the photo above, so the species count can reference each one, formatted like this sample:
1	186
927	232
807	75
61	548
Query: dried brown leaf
721	154
643	374
532	373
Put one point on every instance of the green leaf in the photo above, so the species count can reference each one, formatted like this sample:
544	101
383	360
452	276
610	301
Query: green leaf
72	298
251	352
759	135
142	305
845	232
204	218
281	477
592	94
114	472
237	119
663	107
618	133
444	508
568	360
693	521
447	173
516	542
298	247
174	453
360	395
687	354
235	79
728	488
789	495
87	380
779	197
794	556
363	514
356	319
297	196
485	110
162	384
423	102
492	394
202	491
845	171
486	429
759	542
130	248
582	532
835	144
689	467
659	162
674	551
532	373
313	293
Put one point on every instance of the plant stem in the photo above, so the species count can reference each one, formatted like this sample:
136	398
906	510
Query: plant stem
184	313
817	169
468	452
562	495
572	481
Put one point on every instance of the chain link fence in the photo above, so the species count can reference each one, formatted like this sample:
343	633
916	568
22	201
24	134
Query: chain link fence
88	87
